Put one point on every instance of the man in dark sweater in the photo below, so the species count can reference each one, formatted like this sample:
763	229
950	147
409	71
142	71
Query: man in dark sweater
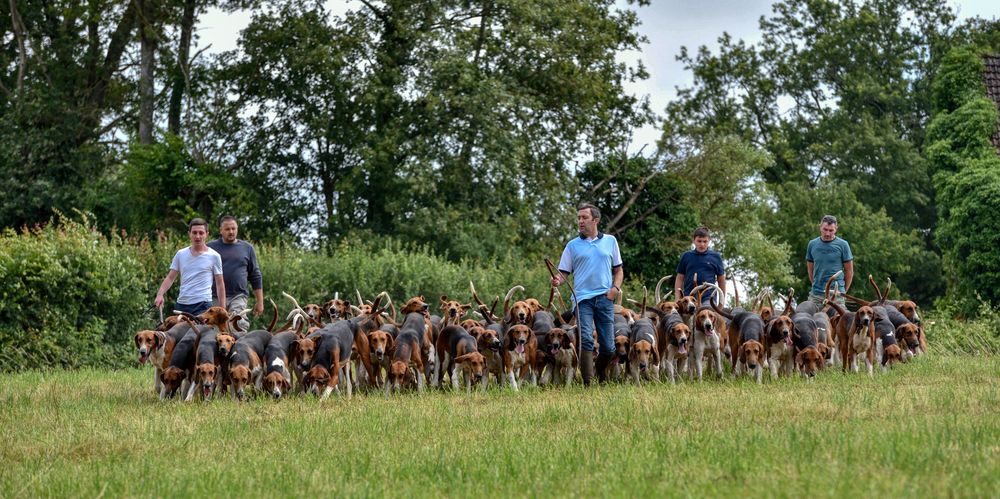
702	263
239	265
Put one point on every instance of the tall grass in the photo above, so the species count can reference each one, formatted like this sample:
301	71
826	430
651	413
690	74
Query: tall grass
928	428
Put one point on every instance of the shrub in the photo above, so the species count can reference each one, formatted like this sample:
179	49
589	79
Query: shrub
67	296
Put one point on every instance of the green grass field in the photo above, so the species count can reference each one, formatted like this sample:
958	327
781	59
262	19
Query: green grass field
930	428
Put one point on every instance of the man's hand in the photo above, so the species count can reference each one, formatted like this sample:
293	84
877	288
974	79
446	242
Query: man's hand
612	293
557	280
258	308
158	301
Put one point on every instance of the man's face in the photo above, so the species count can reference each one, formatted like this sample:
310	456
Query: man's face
197	234
701	244
586	222
229	230
827	232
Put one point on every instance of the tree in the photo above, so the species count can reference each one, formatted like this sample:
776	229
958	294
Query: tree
61	78
839	94
878	250
426	120
645	208
966	169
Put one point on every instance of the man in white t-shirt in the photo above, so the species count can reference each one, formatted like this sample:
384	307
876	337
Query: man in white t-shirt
198	265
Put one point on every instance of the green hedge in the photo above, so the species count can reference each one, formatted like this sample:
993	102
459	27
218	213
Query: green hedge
72	297
69	296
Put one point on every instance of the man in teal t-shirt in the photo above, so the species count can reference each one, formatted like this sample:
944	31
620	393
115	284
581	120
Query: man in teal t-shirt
825	256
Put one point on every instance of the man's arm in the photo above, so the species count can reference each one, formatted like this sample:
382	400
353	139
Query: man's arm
560	278
617	276
220	286
809	270
258	305
722	284
848	274
679	285
167	282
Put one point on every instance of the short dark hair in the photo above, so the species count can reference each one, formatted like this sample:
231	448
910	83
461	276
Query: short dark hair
594	212
197	221
829	219
227	218
701	232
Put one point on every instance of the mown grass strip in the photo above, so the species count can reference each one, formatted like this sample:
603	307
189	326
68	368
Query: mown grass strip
927	428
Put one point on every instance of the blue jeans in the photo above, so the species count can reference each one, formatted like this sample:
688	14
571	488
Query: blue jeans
193	308
598	311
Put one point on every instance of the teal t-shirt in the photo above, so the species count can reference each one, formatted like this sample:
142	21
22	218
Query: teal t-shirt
828	258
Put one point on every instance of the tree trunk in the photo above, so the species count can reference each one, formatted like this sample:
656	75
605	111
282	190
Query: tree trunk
147	60
182	71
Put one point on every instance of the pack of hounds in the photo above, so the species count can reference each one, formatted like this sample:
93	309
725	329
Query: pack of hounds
342	347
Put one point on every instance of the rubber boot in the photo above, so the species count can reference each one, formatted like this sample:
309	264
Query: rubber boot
587	367
602	366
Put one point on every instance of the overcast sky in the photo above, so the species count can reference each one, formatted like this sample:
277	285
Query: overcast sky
668	24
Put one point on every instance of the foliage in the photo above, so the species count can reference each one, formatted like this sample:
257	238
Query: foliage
429	121
162	185
878	249
840	95
966	176
69	296
969	232
60	79
644	208
653	207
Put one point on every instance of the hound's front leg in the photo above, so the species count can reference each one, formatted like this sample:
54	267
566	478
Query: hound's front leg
547	375
512	380
157	384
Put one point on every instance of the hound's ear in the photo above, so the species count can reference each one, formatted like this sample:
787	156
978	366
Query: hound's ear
137	340
161	339
656	357
466	307
285	384
444	300
742	353
293	349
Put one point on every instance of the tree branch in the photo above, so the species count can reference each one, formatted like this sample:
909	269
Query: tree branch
632	199
116	48
375	10
19	30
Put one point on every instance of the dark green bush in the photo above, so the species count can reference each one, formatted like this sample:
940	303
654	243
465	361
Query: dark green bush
68	296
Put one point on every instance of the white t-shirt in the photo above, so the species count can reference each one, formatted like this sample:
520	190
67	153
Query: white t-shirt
197	274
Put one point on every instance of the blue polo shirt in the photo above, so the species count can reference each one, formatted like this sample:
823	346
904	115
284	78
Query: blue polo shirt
828	258
590	261
707	266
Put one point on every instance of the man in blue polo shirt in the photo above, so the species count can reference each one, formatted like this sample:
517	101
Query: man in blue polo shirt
825	256
702	264
596	263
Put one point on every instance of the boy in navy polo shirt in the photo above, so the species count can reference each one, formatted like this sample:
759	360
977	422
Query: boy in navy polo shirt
702	263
